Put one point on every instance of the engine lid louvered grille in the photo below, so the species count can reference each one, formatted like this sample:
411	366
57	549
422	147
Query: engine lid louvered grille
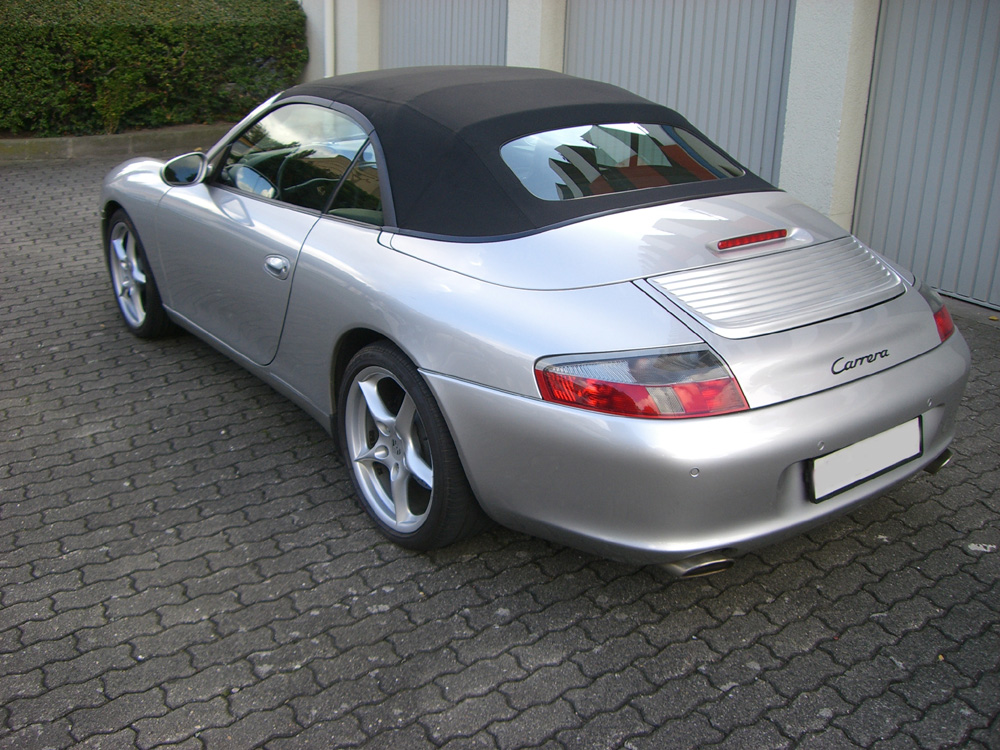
776	292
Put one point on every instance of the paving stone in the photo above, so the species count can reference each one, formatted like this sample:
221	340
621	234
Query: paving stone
48	735
676	660
349	665
467	717
368	631
803	672
145	601
544	685
14	686
761	734
275	588
867	679
17	614
201	608
322	735
532	726
693	730
253	730
741	706
209	683
401	709
481	678
278	614
147	674
57	704
430	636
606	730
412	737
945	725
676	700
739	667
118	631
40	588
609	692
66	622
110	741
172	640
530	651
87	666
94	593
502	610
340	698
621	621
239	645
181	723
808	713
738	631
414	672
165	575
877	718
830	738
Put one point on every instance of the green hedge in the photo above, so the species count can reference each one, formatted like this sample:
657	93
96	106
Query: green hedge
73	67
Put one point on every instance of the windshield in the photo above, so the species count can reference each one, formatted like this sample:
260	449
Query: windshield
587	160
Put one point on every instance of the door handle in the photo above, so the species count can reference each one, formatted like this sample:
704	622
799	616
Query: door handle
277	266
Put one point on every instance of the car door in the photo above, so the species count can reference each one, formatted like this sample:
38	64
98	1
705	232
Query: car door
228	246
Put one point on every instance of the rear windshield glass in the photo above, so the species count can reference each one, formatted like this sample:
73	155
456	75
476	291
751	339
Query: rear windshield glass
577	162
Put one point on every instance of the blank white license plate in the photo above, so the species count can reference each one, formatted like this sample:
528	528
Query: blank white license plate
866	459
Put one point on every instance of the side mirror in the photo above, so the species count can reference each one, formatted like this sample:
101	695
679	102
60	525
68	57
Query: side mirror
186	169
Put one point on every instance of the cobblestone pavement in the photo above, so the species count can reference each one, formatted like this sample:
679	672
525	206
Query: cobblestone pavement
181	563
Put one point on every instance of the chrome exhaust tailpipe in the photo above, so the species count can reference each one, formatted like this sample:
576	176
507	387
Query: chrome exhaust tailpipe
940	462
705	564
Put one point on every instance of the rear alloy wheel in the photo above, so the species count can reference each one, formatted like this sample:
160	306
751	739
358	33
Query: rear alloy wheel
135	291
401	457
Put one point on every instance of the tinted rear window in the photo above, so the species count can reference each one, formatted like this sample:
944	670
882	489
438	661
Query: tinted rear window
587	160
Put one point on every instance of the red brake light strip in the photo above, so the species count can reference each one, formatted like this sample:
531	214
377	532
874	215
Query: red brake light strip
752	239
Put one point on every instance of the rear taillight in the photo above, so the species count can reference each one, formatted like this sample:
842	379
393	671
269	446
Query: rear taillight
661	384
942	318
945	325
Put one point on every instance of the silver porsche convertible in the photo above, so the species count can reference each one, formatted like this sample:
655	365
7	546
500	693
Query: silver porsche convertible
517	295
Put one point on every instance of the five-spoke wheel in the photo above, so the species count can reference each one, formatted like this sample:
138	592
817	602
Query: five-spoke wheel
400	454
135	291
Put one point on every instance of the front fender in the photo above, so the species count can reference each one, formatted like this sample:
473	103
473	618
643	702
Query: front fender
136	187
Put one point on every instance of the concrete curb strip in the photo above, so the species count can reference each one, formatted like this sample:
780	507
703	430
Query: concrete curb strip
179	138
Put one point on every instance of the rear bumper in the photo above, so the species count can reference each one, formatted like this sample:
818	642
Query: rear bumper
649	491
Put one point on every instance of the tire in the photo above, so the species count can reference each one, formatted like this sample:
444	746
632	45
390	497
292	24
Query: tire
132	282
400	454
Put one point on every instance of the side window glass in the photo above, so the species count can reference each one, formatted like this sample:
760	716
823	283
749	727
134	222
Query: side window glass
359	197
297	154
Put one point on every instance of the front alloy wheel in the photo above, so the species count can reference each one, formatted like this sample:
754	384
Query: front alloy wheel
127	274
400	454
135	291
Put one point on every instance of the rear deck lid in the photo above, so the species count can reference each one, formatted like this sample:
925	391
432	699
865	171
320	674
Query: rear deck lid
776	292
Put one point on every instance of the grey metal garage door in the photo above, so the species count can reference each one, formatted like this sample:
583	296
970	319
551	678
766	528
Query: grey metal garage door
929	195
443	32
721	63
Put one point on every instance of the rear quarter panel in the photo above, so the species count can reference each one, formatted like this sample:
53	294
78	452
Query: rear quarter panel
447	322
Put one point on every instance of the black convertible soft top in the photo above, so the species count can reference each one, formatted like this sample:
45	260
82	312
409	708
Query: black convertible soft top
441	129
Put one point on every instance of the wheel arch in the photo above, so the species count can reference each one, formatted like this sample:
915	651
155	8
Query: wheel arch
349	344
107	211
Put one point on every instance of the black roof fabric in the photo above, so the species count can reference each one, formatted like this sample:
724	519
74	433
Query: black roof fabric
441	129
